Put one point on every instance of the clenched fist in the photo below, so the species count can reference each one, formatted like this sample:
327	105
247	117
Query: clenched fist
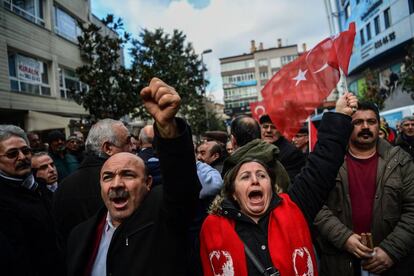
163	103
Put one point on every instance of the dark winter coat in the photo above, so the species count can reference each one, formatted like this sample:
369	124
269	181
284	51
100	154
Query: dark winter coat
406	144
64	166
291	157
27	232
152	240
392	218
78	197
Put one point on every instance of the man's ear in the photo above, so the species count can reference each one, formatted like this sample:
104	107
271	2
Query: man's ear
216	156
148	182
233	141
107	148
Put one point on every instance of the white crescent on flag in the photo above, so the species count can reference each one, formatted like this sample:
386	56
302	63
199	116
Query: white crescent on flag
259	107
322	68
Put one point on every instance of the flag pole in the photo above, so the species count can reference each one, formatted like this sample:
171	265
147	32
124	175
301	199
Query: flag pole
344	84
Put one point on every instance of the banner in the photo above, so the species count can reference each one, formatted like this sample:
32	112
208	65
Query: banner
29	69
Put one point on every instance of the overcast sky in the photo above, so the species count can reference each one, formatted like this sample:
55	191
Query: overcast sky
225	26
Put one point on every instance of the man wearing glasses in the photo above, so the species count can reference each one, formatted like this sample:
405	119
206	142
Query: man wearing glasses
26	224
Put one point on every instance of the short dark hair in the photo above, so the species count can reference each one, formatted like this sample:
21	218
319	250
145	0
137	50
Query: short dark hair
265	119
220	149
364	105
216	149
244	129
55	135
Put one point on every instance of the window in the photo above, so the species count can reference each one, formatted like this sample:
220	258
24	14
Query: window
377	25
237	65
68	80
28	75
29	9
275	63
264	75
263	63
368	31
411	6
387	18
66	25
361	35
287	59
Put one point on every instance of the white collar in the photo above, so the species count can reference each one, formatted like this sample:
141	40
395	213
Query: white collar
109	225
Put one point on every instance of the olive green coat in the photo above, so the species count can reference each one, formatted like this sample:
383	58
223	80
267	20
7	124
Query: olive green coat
392	222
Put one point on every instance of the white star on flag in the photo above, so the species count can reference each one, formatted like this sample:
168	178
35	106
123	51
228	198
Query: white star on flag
300	77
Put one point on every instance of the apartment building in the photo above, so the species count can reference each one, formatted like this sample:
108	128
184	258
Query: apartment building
38	57
245	75
384	30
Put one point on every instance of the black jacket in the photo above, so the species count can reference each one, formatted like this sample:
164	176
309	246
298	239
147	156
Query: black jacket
78	197
291	158
152	240
27	232
406	143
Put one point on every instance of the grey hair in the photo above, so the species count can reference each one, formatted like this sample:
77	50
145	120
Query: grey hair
144	137
100	133
407	118
7	131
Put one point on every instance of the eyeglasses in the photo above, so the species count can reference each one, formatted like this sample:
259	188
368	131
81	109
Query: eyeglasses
13	153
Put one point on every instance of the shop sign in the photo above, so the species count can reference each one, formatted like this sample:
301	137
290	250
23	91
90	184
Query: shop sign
29	69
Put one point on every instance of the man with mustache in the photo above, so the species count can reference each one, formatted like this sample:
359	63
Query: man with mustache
374	194
142	230
79	195
26	226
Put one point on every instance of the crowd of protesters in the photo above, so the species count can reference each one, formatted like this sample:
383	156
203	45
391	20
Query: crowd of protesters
250	202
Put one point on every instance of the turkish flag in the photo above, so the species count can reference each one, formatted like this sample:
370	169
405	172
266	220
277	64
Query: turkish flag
302	85
343	44
258	110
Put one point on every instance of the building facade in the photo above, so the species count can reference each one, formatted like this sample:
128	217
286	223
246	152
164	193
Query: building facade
245	75
38	57
385	28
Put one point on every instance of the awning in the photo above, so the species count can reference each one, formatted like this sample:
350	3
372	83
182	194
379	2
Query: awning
36	121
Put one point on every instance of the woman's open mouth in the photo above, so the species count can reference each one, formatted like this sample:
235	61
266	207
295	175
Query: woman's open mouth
255	196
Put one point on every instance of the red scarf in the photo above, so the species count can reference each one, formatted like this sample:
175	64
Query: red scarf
290	244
